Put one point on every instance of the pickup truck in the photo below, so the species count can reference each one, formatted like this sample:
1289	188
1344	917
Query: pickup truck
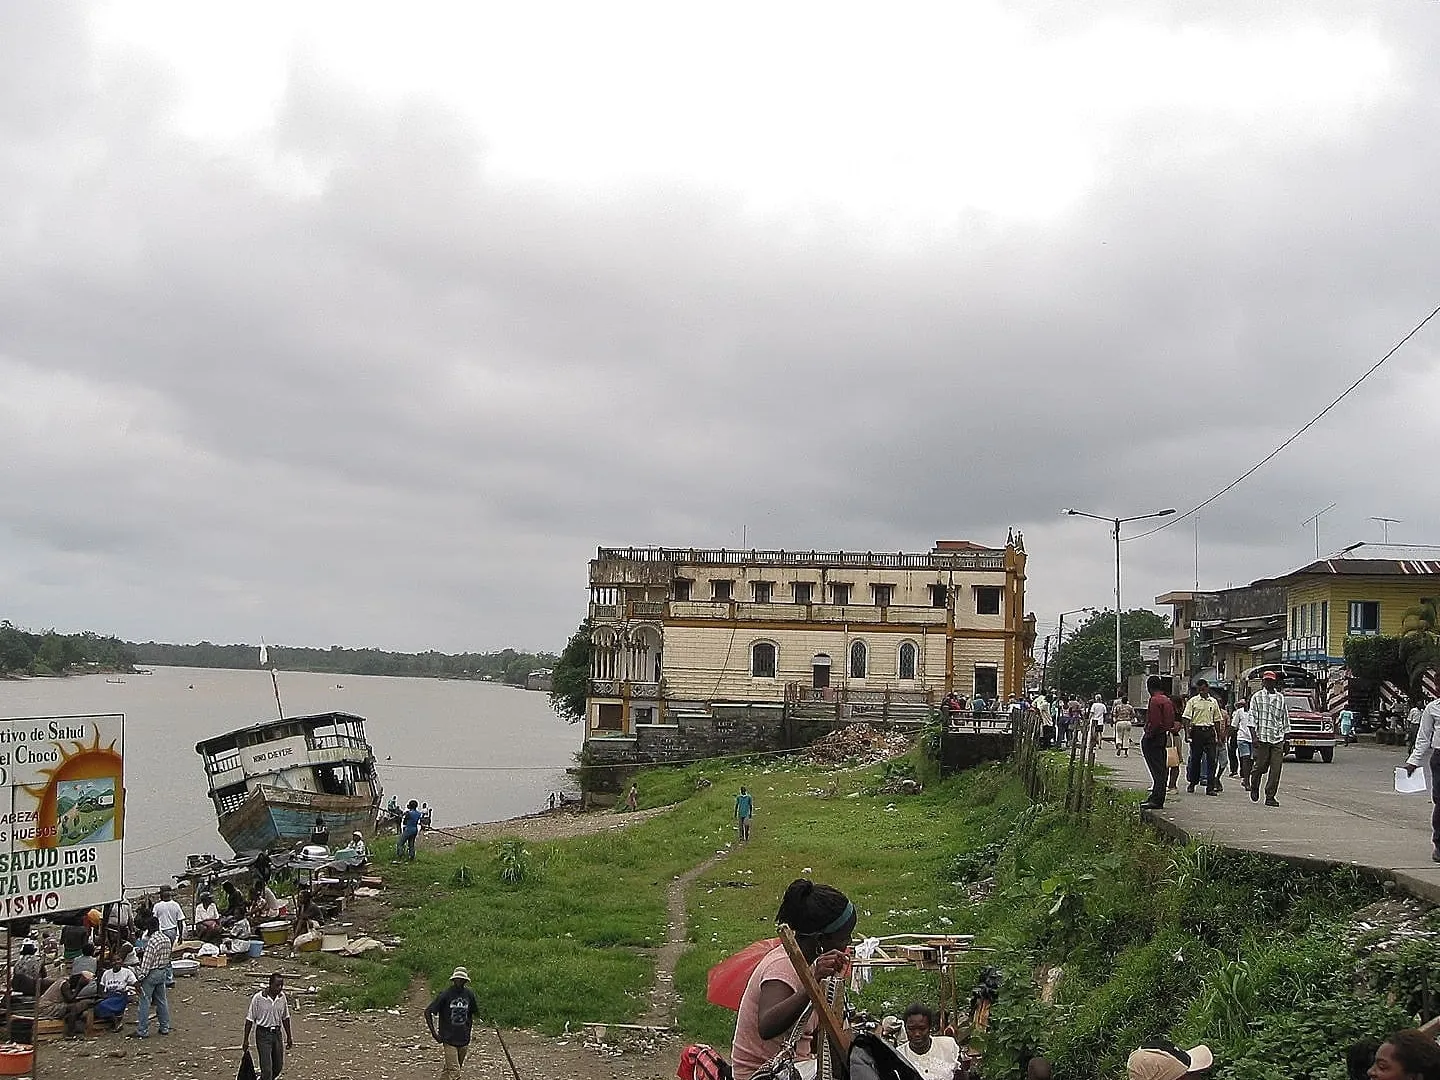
1310	729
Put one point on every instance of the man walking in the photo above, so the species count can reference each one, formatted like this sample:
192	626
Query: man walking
1098	712
1427	749
1124	720
1202	716
268	1014
172	923
1159	723
154	965
1271	719
449	1018
744	810
409	830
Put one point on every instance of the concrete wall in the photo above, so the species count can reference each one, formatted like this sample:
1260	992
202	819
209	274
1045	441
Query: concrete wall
730	729
964	750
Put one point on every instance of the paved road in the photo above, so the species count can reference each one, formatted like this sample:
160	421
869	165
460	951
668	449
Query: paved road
1344	812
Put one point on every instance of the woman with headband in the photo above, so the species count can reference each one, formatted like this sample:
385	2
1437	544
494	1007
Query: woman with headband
774	1001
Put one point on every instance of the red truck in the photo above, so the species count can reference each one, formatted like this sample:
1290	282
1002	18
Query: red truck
1311	729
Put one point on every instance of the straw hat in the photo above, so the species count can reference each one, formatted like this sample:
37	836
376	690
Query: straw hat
1167	1062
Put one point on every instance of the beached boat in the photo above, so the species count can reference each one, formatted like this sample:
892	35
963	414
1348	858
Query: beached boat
270	781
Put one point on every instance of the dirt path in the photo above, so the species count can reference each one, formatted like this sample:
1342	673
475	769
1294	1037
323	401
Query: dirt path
663	999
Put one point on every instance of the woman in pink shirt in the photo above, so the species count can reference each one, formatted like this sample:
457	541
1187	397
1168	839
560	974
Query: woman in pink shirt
774	1000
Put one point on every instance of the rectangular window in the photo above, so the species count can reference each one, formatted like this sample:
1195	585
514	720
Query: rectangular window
884	595
761	591
1325	624
680	589
1364	616
643	714
840	592
987	599
720	589
1294	622
939	596
803	590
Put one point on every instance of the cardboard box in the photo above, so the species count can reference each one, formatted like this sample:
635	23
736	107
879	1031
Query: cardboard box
215	961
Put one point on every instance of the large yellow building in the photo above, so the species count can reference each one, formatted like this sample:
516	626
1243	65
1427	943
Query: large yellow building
676	631
1333	599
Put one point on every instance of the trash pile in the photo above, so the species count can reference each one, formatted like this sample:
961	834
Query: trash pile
857	744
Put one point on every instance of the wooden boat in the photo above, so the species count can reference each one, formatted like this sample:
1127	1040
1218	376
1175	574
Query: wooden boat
269	782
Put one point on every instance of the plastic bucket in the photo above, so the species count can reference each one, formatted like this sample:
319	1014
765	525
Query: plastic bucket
16	1060
257	949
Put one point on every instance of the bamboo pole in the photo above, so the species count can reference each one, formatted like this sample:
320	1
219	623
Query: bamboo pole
837	1036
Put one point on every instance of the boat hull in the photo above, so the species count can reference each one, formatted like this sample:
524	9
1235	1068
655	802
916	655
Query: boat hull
272	816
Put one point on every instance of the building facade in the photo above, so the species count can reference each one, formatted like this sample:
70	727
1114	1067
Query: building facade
676	632
1332	599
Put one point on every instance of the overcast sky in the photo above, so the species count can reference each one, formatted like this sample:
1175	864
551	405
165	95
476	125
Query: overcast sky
365	324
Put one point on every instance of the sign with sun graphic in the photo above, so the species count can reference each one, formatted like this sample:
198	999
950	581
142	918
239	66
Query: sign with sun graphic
62	813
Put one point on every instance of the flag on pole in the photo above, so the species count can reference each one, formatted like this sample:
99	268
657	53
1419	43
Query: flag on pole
264	655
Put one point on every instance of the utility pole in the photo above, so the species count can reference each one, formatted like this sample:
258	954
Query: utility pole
1045	665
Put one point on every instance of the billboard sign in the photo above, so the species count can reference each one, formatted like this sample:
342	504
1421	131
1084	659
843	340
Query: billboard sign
62	813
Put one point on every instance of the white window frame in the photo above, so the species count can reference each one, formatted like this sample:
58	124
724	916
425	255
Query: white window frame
774	659
858	643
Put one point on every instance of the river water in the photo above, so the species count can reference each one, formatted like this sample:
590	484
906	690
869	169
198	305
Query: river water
500	750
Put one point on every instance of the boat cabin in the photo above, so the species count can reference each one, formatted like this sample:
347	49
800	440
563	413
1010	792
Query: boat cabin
320	755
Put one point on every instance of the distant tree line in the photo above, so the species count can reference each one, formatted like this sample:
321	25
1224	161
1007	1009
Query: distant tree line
507	665
26	652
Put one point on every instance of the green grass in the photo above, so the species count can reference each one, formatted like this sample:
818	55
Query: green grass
1153	938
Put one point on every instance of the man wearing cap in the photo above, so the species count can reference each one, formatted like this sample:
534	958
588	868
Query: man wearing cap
1271	719
449	1018
1161	1060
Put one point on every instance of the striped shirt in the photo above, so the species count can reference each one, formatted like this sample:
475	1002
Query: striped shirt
157	954
268	1012
1270	716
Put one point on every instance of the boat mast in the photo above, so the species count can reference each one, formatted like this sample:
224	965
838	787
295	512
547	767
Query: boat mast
274	680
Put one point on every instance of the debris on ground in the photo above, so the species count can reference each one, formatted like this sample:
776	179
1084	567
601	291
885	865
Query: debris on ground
857	744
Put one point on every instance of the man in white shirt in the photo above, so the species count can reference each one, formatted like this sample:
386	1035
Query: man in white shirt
1098	712
268	1015
934	1057
171	917
1427	749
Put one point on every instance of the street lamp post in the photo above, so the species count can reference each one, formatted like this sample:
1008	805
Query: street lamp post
1060	639
1115	523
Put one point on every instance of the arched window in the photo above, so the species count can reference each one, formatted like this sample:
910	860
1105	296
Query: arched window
907	660
858	658
762	660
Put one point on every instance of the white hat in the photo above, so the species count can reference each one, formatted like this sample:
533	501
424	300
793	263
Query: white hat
1167	1062
460	973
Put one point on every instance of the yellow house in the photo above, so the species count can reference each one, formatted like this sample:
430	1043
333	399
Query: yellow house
1333	599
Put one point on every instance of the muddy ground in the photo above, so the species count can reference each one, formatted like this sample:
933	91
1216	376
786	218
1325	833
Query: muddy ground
333	1044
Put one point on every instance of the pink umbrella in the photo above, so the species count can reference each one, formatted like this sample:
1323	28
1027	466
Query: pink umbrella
725	985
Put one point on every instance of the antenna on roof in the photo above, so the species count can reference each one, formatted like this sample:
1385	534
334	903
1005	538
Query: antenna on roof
1315	520
1385	523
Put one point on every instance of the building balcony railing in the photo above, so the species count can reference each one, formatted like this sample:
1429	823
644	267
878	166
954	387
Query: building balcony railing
625	688
921	615
876	560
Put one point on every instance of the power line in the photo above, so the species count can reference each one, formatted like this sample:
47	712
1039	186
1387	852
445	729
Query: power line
1306	427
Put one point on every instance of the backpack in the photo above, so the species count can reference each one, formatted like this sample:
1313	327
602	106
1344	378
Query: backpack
702	1062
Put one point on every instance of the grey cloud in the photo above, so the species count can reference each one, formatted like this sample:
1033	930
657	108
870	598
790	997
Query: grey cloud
403	406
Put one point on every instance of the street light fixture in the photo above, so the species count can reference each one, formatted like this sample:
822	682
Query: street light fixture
1115	523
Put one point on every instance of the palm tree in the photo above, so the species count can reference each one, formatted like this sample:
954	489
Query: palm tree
1420	642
